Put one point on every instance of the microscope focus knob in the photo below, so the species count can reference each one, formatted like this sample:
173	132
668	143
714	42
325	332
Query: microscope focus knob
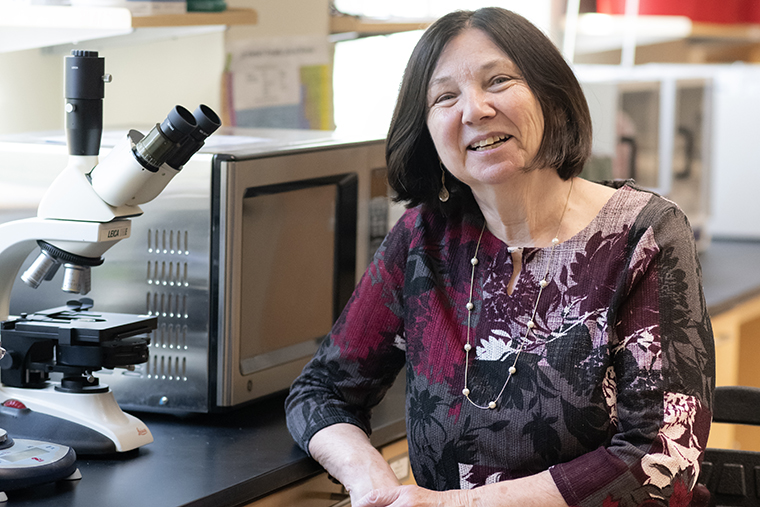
5	440
7	362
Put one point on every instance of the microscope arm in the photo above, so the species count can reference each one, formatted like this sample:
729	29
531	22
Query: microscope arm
19	238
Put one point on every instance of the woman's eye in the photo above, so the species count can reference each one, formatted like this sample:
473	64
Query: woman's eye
444	97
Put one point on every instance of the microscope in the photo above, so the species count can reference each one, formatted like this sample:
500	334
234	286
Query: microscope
86	210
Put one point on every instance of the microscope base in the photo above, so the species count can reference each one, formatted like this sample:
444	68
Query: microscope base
88	423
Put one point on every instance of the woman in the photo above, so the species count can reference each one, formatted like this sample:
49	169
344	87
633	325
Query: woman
553	330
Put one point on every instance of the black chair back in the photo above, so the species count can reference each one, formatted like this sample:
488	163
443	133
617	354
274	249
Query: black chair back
733	476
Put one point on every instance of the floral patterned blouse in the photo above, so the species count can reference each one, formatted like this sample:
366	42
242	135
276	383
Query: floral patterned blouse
613	388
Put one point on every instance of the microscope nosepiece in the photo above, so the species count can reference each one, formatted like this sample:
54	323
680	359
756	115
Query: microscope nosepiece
76	276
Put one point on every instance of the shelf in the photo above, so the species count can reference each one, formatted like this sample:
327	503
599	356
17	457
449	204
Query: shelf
363	27
33	26
229	17
603	32
666	39
717	32
60	16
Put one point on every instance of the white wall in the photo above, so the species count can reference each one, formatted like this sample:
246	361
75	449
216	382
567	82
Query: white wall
31	92
278	18
148	78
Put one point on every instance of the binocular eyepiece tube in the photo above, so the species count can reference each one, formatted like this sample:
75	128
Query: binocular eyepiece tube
164	139
208	122
136	170
140	167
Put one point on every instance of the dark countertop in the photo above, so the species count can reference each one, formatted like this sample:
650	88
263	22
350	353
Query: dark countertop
204	460
232	459
730	273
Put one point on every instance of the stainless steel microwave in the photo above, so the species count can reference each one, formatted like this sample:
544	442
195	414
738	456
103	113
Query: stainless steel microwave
246	258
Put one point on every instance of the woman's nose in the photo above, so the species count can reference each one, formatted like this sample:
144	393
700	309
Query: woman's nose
476	107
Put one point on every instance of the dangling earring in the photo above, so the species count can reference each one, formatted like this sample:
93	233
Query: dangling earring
443	195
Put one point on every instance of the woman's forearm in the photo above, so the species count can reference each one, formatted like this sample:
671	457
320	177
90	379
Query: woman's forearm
533	491
345	451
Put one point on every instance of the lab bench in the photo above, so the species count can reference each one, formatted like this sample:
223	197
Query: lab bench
247	458
214	460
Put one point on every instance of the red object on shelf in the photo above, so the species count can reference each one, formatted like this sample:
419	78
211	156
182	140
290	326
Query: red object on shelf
707	11
649	7
751	11
723	11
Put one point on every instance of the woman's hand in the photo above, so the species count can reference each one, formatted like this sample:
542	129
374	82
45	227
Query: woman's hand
412	496
533	491
347	454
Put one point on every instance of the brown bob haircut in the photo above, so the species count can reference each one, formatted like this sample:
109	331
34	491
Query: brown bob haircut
414	172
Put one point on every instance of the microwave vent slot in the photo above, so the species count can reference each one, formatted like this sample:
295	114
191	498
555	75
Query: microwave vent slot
165	268
167	367
167	273
172	242
167	305
169	336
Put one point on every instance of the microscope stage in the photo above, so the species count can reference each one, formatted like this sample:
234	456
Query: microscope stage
82	326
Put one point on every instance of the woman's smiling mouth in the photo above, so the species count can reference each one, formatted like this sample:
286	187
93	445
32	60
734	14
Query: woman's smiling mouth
487	144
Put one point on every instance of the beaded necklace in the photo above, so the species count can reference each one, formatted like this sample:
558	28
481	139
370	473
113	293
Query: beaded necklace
531	322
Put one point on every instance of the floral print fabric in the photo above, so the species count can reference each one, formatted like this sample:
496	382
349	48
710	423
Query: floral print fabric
613	387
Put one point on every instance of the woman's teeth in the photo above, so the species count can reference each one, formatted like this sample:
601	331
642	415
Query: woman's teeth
488	143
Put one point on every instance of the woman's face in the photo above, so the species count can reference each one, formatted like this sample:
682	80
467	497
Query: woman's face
485	122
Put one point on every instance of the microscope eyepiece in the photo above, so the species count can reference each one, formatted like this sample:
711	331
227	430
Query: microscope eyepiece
208	122
164	139
179	124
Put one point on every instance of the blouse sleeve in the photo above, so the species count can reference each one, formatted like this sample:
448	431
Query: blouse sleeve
359	360
662	377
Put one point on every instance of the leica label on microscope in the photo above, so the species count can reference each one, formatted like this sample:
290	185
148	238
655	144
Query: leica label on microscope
114	232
